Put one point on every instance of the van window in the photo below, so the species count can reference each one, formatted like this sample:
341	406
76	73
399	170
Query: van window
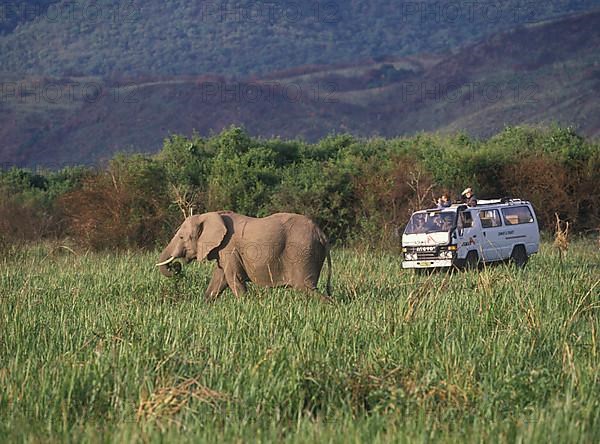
466	219
489	218
431	222
517	215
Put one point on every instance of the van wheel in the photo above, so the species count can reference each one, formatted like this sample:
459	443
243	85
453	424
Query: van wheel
519	256
472	261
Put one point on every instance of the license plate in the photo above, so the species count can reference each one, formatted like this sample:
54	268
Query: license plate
424	264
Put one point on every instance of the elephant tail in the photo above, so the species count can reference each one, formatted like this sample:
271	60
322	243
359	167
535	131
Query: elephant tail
325	243
328	272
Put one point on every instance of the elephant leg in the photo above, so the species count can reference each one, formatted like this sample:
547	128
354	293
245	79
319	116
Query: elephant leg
235	274
321	296
324	298
236	284
217	284
308	286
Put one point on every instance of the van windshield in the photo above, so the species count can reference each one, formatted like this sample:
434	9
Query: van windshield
431	222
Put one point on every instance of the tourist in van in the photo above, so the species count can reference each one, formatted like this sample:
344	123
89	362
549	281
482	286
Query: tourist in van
444	201
445	222
469	198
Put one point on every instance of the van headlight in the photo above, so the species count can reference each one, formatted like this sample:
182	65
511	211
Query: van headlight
446	254
410	256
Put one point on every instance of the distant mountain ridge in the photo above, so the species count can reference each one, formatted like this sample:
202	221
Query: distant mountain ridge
243	37
542	73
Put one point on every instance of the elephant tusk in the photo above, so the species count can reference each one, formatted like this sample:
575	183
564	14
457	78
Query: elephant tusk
168	261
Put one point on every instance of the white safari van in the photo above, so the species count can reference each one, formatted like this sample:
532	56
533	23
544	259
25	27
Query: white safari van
462	236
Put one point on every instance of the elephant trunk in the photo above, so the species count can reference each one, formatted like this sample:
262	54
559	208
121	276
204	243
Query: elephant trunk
165	269
166	257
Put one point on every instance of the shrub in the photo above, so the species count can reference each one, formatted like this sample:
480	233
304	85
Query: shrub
322	191
544	182
125	206
28	210
242	181
386	193
21	222
357	190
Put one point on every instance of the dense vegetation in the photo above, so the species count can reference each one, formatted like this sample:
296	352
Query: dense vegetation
13	14
359	191
112	37
101	348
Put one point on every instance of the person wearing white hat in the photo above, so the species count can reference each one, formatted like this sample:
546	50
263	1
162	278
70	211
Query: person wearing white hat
469	197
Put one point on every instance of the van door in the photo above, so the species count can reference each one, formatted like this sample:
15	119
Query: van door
491	242
466	233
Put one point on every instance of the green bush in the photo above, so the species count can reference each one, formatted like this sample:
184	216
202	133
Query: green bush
358	190
320	190
242	180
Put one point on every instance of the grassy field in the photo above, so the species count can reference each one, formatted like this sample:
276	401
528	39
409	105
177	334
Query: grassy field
101	347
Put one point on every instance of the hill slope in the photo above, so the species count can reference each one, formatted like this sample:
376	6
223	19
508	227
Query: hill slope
153	37
537	74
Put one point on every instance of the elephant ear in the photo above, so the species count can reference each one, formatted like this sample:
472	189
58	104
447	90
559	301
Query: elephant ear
212	231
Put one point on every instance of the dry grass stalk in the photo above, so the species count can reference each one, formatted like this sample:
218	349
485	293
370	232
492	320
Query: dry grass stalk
421	192
185	200
422	292
414	300
561	236
425	393
168	401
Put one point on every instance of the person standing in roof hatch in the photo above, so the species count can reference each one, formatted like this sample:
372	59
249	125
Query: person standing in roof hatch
469	198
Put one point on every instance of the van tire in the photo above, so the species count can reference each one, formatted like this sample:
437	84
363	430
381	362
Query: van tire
471	261
519	257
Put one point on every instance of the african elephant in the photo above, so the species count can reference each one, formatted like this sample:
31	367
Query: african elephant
283	249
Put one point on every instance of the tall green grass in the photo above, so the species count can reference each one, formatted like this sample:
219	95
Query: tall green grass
101	347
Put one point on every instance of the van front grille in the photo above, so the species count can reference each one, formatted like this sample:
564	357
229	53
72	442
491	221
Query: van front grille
427	254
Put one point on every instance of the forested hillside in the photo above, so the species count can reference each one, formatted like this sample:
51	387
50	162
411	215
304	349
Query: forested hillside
544	73
153	37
